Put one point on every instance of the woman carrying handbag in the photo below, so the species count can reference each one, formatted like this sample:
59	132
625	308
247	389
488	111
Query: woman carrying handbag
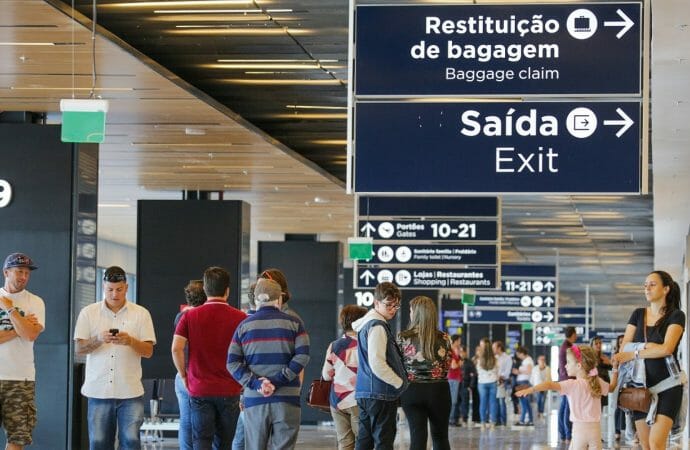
664	323
340	366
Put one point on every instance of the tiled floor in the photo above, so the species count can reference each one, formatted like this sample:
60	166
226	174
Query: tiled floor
542	436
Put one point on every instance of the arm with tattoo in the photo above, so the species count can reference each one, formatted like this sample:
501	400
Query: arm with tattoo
86	346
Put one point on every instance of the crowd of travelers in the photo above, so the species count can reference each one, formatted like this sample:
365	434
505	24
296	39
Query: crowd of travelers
240	372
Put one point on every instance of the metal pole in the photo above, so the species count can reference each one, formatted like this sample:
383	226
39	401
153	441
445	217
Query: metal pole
587	318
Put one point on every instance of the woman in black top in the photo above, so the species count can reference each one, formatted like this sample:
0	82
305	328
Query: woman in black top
665	323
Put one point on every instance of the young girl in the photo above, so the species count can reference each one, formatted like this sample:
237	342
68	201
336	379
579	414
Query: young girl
584	394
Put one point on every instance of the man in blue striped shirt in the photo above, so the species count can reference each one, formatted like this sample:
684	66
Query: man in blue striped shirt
267	353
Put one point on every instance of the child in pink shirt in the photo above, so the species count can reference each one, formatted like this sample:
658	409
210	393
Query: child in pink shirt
584	396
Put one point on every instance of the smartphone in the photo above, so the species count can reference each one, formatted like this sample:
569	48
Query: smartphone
114	331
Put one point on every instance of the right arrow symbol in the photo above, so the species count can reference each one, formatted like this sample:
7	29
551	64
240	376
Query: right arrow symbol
625	25
626	123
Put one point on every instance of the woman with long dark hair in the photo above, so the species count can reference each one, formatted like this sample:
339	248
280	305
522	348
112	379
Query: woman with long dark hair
426	355
664	323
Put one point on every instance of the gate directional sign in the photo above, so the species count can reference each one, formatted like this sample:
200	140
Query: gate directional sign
433	254
429	242
528	285
530	294
430	230
578	49
526	147
418	278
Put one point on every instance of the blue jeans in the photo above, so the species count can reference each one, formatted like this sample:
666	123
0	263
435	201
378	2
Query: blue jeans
454	401
185	433
541	398
565	426
106	415
526	415
214	420
238	440
487	402
501	411
377	420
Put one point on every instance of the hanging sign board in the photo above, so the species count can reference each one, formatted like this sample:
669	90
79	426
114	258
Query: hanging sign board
574	49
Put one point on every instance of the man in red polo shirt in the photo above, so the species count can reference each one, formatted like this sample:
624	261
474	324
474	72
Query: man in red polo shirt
206	331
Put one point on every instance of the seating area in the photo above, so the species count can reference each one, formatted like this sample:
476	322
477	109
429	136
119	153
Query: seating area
161	410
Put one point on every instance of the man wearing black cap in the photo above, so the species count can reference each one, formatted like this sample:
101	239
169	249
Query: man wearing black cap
22	315
114	335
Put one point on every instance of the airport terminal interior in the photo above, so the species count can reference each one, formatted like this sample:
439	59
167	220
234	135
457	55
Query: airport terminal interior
524	164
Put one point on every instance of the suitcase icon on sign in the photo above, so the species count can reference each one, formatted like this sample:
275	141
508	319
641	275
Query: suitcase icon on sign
582	24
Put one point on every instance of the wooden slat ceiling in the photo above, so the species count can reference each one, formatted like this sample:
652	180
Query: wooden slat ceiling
147	153
244	140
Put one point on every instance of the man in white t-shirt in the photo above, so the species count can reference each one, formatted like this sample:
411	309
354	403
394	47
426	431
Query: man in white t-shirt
505	365
22	318
114	335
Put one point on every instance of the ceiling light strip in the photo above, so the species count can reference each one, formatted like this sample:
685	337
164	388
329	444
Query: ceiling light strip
241	31
283	82
207	11
12	44
163	4
315	107
248	61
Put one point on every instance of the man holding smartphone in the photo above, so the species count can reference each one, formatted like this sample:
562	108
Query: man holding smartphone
114	334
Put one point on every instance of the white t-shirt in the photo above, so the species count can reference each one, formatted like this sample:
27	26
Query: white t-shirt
486	375
540	375
17	355
114	371
525	370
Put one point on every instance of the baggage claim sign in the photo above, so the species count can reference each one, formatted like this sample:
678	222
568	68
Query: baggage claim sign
460	145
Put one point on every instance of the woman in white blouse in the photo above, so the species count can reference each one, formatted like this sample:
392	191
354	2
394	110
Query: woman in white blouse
487	377
524	374
541	373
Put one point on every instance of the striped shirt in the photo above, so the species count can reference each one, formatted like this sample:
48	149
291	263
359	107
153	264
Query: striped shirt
270	344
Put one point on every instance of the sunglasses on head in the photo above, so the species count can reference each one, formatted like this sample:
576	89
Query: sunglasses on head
114	277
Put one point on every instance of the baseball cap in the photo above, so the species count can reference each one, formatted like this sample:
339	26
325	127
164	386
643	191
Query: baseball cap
114	274
19	260
266	291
